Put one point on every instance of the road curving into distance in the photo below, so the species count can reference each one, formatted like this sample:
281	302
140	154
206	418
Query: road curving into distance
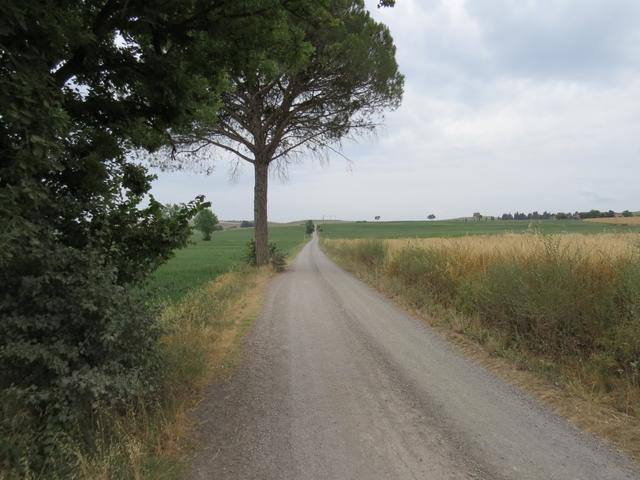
336	383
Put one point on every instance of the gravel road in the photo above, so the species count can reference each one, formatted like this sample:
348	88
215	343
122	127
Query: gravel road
336	383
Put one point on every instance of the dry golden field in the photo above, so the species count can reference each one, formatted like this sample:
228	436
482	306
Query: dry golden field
481	250
477	251
615	220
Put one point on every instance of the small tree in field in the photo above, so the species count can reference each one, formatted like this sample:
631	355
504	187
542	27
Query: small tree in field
309	227
337	82
206	221
431	216
376	218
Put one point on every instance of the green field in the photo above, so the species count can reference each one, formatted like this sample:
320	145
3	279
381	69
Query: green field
457	228
203	261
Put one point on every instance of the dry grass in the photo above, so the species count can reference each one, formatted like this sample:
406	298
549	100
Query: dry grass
557	315
473	254
587	409
491	246
615	220
205	331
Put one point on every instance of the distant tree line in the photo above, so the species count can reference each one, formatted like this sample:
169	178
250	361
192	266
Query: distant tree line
563	216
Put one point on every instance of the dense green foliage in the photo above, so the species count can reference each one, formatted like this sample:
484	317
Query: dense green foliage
83	84
457	228
80	84
309	227
206	221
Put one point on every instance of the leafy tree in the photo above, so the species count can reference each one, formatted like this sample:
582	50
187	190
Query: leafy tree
332	76
376	218
206	221
82	84
627	213
309	227
590	214
431	216
246	224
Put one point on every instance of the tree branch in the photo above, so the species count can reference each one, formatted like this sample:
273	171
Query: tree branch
229	149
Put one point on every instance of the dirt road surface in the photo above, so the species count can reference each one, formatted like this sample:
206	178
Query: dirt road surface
336	383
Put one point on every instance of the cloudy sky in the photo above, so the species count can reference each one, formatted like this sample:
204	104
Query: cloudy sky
509	105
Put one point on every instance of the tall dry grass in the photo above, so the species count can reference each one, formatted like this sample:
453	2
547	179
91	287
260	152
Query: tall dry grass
615	220
568	305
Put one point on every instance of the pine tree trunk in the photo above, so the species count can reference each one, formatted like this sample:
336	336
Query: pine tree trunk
260	211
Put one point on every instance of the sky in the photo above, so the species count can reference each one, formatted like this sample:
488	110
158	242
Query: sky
509	105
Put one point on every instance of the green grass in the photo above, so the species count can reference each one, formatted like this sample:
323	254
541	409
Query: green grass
203	261
458	228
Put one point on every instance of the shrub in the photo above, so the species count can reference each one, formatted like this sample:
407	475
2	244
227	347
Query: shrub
276	257
425	270
64	357
556	303
370	253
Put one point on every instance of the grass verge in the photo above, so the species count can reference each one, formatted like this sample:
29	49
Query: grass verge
205	329
148	439
557	315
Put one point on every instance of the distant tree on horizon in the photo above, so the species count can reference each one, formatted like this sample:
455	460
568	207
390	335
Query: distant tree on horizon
377	217
431	216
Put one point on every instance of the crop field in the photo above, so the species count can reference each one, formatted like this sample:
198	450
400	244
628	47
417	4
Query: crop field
615	220
458	228
486	248
203	261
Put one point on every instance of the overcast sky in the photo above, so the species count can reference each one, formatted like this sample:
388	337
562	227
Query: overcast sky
509	105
